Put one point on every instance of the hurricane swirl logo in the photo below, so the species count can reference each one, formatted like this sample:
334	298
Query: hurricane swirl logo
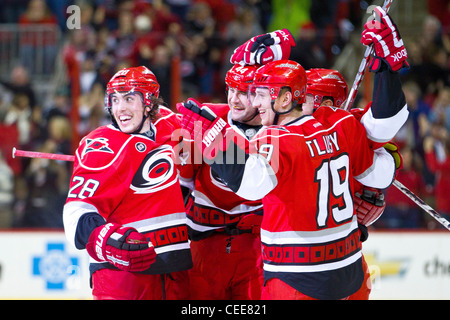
156	171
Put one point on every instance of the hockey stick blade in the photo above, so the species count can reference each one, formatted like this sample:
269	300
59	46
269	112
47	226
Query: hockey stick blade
422	204
42	155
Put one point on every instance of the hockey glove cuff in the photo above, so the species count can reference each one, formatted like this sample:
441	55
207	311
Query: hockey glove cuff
369	205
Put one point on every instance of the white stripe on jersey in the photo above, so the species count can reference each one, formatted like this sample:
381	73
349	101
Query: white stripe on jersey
384	130
314	268
72	212
156	223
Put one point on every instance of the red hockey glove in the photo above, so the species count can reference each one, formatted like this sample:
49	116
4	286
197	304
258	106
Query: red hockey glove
388	44
201	123
392	148
123	247
196	118
369	205
265	48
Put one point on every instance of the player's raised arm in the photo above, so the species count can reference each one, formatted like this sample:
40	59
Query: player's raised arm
388	111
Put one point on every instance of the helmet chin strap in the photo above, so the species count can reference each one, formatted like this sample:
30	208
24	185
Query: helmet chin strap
144	118
252	117
278	113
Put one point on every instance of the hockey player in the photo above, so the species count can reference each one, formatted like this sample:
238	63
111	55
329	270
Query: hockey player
328	88
125	205
304	172
223	227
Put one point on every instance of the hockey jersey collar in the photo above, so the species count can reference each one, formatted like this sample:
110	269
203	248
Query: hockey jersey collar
151	133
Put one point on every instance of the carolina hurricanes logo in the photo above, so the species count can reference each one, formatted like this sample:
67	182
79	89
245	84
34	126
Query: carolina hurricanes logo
156	171
97	144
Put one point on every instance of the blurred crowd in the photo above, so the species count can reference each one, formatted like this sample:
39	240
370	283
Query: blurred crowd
200	36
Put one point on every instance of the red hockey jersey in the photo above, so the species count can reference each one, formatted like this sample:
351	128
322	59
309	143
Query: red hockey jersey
132	179
310	236
213	205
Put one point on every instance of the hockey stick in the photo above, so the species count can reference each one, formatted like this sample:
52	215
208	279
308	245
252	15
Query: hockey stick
422	204
362	68
347	105
35	154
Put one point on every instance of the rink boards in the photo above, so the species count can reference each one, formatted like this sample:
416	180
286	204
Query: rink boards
42	265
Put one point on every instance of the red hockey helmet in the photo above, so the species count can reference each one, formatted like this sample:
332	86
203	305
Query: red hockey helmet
128	80
326	83
282	73
240	77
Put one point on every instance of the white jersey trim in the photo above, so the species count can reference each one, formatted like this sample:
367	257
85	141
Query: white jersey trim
72	213
258	178
384	130
156	223
382	172
314	268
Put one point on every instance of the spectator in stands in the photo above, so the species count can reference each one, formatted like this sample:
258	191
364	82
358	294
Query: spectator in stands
47	181
244	26
91	109
6	193
441	108
437	156
20	115
400	211
309	49
419	112
60	105
36	41
202	49
19	82
430	58
11	10
124	36
160	64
